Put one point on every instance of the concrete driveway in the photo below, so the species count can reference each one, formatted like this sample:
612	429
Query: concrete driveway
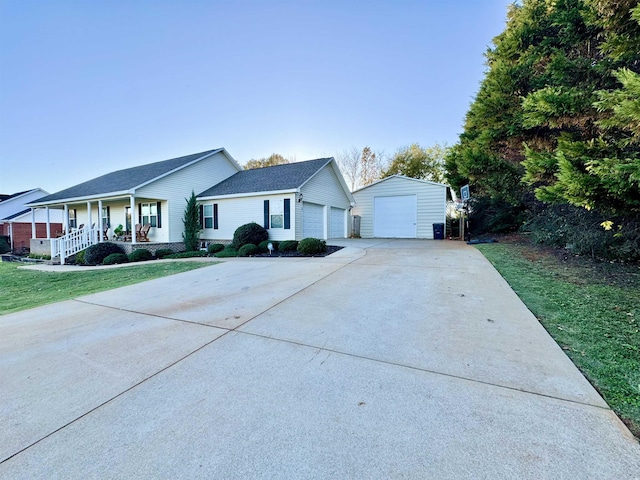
388	359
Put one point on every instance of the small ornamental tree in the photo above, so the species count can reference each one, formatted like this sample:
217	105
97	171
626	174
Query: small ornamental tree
191	220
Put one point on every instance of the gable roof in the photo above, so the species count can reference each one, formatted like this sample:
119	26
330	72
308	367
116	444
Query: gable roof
289	176
126	180
428	182
4	197
17	214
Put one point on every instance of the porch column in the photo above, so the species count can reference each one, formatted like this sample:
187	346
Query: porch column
48	223
33	223
65	219
134	219
100	226
89	223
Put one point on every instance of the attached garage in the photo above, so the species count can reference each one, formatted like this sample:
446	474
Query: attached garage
313	215
337	223
400	207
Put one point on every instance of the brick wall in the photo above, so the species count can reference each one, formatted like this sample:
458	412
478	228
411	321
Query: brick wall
22	233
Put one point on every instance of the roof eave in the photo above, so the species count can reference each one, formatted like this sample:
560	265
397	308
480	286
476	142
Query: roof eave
248	194
62	201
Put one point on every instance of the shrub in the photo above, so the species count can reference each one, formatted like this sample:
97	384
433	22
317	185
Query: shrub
229	251
249	233
247	250
191	254
288	246
115	258
80	257
215	248
95	254
163	252
4	246
140	255
263	246
311	246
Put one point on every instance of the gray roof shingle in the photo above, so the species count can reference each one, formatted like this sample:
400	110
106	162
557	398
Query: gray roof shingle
269	179
123	180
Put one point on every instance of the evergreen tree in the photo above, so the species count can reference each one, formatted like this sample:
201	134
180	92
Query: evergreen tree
192	227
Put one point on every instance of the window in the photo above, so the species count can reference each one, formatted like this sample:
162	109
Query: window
277	213
276	210
209	215
149	214
106	217
73	219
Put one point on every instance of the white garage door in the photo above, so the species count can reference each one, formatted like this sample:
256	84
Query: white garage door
313	220
395	217
337	222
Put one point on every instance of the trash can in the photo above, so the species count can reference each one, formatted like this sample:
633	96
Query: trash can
438	231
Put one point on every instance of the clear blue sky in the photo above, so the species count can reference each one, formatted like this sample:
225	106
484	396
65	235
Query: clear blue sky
92	86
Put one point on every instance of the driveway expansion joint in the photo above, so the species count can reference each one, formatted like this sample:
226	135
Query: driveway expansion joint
425	370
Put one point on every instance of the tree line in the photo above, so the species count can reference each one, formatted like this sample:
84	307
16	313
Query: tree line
551	142
363	167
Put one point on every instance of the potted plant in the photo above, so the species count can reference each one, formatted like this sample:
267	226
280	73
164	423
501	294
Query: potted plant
118	232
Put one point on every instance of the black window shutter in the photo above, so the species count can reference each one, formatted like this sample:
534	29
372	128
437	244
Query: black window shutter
215	216
140	213
159	216
201	215
108	217
266	214
287	213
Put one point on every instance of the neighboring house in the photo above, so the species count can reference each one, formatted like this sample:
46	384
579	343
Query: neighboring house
17	222
148	194
400	207
292	201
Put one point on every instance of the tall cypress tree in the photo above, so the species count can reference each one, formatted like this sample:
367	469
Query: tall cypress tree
192	227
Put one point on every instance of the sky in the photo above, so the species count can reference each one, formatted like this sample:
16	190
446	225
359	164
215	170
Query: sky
92	86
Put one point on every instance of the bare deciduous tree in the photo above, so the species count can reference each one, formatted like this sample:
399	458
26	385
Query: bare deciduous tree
349	163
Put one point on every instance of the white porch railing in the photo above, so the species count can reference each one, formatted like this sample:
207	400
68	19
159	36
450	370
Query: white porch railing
74	242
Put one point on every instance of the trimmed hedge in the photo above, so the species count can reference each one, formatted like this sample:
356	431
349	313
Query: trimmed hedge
80	260
288	246
95	254
228	252
4	246
215	248
140	255
248	250
311	246
163	252
249	233
115	258
192	254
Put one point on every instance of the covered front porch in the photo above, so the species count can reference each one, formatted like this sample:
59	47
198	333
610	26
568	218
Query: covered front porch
124	219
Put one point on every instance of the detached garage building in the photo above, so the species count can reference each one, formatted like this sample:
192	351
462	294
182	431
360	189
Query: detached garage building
400	207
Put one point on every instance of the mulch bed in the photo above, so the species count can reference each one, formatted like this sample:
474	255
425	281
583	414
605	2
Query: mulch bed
330	249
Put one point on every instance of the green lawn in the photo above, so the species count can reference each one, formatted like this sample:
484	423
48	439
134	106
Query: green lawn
591	309
22	289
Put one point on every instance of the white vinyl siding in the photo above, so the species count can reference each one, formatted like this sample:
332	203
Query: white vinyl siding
430	203
175	188
324	189
337	223
233	212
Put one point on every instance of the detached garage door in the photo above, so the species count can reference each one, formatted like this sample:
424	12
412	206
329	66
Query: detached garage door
312	220
395	217
337	222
